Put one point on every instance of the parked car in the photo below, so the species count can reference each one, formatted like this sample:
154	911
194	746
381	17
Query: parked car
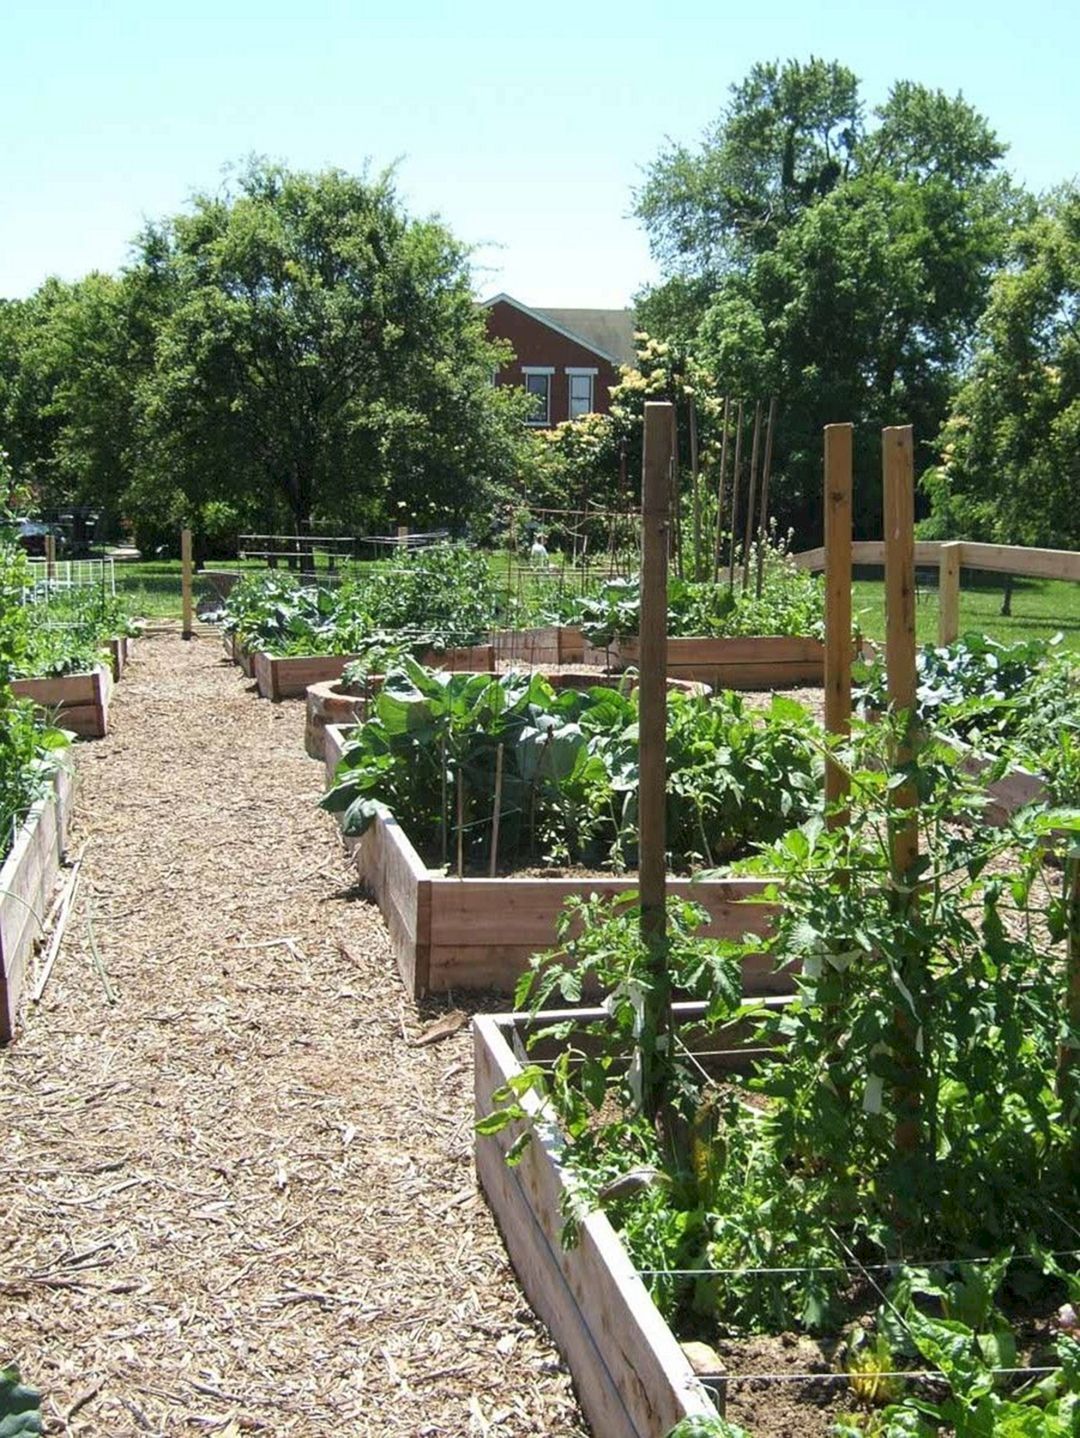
31	534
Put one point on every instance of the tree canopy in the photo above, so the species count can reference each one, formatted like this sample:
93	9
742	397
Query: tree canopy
1010	468
294	349
837	262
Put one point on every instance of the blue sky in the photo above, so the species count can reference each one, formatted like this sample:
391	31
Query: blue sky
526	127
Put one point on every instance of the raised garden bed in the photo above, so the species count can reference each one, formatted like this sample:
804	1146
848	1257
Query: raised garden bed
632	1378
550	646
740	662
450	933
290	678
79	702
27	878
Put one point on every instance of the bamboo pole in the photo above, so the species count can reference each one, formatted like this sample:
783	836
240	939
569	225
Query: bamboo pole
766	475
949	591
695	488
185	582
720	492
838	463
1068	1075
497	815
652	754
735	477
750	497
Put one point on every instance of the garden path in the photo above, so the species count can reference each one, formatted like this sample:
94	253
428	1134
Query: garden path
238	1199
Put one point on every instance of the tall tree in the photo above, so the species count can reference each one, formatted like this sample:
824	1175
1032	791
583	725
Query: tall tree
838	263
323	356
1010	449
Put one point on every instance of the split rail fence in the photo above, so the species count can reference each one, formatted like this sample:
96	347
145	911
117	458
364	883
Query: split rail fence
950	556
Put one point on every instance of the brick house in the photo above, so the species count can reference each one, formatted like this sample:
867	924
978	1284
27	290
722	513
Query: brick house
568	359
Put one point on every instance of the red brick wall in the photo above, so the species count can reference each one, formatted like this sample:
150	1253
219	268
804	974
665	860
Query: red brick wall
535	344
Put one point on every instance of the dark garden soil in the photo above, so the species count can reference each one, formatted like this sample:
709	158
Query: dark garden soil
236	1195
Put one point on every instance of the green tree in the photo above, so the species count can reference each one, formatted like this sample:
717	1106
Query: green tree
838	264
1010	449
322	358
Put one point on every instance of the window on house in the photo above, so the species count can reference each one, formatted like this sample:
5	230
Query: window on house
581	392
538	385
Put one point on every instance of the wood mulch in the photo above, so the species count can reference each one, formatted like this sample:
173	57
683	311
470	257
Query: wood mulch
235	1195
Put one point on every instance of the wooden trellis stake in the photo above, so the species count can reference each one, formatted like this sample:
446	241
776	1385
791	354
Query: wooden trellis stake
838	450
720	491
735	477
652	729
898	467
766	475
749	539
185	582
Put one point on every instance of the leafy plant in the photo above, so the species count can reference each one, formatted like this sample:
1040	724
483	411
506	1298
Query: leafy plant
20	1407
568	789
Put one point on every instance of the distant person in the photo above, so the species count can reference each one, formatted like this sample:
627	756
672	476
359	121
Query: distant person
538	555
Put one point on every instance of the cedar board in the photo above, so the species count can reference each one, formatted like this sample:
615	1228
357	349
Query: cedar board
289	678
774	661
27	879
79	702
450	933
630	1374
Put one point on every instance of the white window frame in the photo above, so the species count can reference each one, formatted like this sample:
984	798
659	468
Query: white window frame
580	372
540	421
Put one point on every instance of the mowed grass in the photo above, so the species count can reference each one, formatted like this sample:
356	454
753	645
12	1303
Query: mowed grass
1041	608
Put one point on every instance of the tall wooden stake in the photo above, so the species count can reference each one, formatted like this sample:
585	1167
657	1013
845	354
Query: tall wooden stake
652	730
750	497
735	478
838	450
50	557
720	493
899	483
185	582
766	475
497	815
1068	1055
695	482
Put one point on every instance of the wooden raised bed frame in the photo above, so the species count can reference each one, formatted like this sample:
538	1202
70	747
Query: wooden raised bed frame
742	662
291	678
79	702
548	647
630	1374
27	878
449	933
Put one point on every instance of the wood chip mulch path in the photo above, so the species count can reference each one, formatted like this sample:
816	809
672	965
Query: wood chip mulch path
235	1196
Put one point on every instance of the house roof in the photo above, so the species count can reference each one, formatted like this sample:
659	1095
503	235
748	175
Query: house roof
609	333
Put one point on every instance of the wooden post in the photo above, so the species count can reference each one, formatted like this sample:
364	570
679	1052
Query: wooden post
949	592
898	467
652	730
695	481
838	449
497	814
50	557
185	581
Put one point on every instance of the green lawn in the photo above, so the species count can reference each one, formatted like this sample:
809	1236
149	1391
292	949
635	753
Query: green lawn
1041	608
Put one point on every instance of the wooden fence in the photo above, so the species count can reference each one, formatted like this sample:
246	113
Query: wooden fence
950	556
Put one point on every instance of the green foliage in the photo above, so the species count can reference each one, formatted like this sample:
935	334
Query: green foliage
1009	471
792	601
435	598
20	1407
941	1017
69	630
569	786
707	1428
837	263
